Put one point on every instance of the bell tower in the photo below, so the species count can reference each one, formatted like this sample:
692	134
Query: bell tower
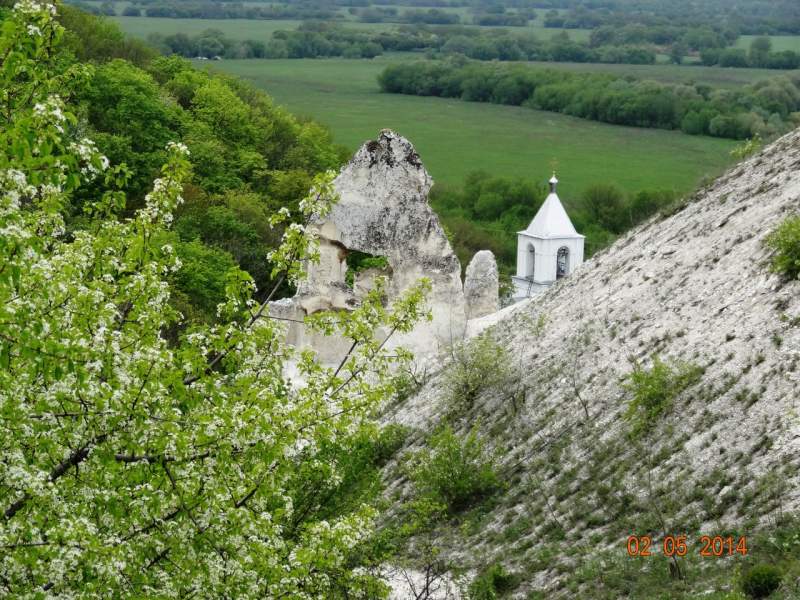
548	249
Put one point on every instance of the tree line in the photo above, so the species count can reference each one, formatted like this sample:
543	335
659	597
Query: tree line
763	108
309	40
486	211
560	48
760	55
226	10
633	39
288	11
757	17
323	11
314	39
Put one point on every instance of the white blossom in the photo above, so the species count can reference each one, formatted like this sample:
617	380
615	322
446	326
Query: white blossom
179	147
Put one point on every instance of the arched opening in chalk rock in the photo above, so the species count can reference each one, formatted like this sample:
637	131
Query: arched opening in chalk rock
362	268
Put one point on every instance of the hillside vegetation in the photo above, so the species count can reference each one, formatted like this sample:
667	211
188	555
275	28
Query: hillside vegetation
249	157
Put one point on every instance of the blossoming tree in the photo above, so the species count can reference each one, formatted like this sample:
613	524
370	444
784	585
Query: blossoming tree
134	466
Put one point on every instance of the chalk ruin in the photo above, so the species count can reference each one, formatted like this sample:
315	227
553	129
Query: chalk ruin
383	210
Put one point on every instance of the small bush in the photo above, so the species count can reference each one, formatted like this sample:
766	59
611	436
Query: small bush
457	472
747	148
359	460
390	439
407	383
478	366
493	583
761	580
785	242
654	390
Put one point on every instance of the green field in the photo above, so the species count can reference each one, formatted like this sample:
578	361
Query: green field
238	29
243	29
455	137
779	42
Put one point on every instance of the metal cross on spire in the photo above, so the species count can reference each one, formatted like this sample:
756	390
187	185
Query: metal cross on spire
553	179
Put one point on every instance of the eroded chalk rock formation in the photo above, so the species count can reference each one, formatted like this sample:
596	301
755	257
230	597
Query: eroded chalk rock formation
382	210
482	285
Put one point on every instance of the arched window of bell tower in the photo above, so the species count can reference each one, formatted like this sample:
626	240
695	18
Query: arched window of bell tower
562	262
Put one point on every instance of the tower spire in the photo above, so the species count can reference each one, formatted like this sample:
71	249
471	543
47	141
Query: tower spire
553	179
553	183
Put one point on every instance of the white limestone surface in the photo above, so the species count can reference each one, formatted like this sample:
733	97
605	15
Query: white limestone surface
482	285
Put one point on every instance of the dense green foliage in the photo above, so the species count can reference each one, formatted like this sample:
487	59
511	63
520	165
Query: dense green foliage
136	464
785	243
308	41
759	581
361	261
91	39
560	48
491	584
479	365
453	470
312	40
763	108
249	157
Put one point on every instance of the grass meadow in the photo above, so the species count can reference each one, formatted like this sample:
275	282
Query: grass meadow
455	137
779	42
238	29
243	29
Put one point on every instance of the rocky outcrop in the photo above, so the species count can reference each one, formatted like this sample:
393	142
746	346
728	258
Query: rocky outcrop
482	285
383	210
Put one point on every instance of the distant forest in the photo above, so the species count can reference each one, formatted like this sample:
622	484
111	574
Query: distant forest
755	17
765	108
615	31
314	39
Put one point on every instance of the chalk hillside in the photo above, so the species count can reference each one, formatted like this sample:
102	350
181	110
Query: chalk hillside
693	292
